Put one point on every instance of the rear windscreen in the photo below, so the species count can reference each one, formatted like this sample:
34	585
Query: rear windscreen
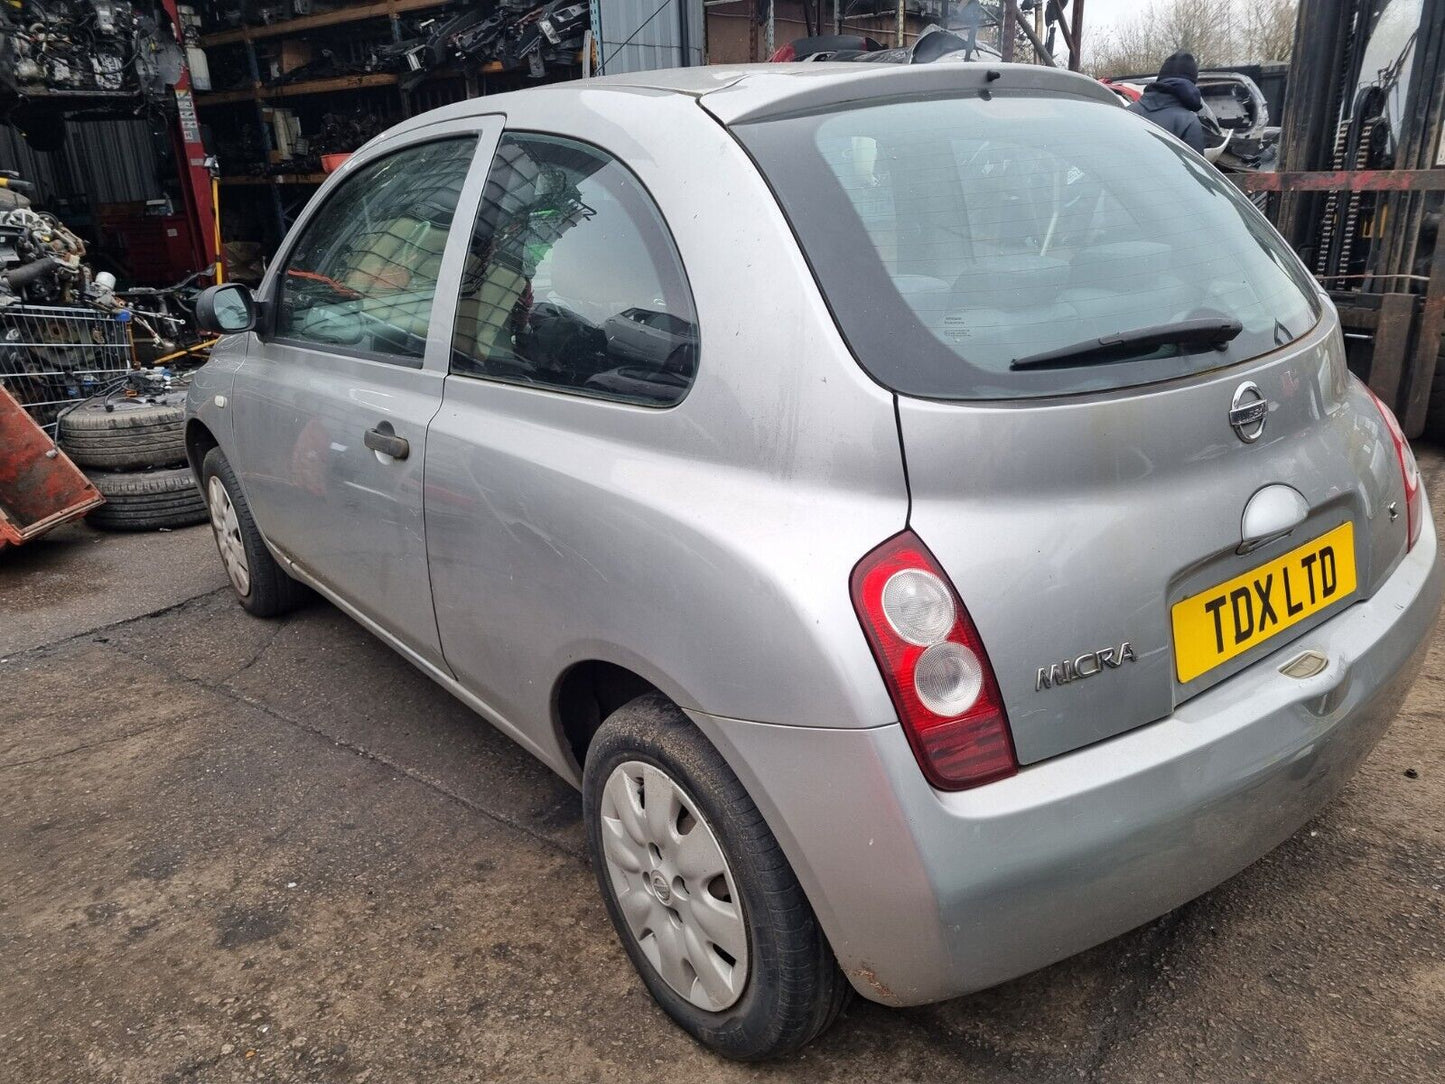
953	237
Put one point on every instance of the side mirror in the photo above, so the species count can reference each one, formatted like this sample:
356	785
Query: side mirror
227	309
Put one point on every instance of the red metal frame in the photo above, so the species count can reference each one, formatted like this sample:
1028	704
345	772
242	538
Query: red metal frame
191	158
40	488
1365	180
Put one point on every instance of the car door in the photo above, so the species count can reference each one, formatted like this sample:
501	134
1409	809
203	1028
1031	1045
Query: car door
332	404
544	420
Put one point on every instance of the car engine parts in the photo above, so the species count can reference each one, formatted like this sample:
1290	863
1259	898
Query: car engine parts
78	49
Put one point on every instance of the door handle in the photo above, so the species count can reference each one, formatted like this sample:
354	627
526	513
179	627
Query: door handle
384	440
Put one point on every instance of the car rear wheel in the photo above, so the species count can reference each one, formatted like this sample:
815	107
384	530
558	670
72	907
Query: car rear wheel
262	587
706	905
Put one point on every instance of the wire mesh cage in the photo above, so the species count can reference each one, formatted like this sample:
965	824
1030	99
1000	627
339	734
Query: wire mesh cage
52	356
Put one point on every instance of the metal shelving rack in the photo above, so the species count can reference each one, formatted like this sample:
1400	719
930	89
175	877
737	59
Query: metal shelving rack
297	90
306	23
259	94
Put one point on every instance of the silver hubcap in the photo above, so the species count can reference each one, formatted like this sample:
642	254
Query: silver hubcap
228	536
674	886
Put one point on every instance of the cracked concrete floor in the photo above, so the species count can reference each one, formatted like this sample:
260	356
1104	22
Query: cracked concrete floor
235	850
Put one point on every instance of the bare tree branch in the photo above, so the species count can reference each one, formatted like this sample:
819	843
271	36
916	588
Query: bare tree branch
1218	34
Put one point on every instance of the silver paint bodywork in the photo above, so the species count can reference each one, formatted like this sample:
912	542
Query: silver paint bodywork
707	547
927	895
1126	503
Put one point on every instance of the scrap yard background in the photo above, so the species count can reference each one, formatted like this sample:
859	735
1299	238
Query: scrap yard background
244	850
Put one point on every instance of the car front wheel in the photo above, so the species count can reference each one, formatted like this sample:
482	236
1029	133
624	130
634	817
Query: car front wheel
261	585
706	905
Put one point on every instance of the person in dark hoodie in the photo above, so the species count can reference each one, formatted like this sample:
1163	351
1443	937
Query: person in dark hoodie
1172	101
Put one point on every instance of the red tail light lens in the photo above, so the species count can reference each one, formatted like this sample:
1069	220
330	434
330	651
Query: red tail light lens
1409	470
934	665
784	54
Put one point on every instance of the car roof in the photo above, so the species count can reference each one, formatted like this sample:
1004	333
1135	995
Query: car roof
735	93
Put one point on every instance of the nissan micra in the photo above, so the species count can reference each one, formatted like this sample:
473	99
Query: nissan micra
924	509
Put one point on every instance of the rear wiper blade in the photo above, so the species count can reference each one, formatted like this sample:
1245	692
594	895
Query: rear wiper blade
1212	331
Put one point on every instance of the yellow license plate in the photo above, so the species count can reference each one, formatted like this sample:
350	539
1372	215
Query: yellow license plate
1214	626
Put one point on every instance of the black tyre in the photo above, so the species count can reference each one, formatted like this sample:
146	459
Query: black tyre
707	907
126	434
261	585
146	500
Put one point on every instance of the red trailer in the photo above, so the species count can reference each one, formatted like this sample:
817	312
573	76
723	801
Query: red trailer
40	488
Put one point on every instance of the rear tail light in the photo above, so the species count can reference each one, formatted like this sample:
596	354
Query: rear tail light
1409	470
934	665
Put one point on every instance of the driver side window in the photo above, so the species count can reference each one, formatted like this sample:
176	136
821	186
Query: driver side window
363	275
572	282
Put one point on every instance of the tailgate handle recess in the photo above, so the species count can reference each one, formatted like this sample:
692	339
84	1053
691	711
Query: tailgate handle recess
1272	513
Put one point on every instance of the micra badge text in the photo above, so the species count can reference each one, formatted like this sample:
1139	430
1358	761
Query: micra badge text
1087	665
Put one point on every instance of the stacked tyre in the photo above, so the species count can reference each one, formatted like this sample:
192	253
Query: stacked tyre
134	450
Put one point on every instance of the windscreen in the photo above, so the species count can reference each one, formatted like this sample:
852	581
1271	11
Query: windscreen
957	238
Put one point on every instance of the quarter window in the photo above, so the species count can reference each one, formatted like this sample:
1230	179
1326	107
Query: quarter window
363	275
572	281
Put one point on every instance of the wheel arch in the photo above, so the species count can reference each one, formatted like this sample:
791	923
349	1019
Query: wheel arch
199	441
585	694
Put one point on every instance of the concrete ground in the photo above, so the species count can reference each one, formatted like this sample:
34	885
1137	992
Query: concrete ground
235	850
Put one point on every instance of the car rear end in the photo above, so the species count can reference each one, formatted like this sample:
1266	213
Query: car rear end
1168	569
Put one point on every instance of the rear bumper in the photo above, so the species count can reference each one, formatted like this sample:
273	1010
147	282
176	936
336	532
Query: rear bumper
925	895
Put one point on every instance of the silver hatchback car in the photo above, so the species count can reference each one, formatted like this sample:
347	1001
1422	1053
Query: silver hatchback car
925	510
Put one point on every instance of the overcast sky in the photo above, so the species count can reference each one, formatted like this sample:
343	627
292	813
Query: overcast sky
1102	14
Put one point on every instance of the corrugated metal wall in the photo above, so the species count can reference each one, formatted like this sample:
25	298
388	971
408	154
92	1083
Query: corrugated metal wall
102	161
643	35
